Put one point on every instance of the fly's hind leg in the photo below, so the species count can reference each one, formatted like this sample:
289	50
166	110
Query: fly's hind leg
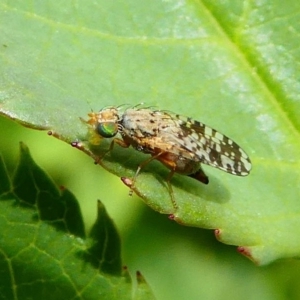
171	189
131	183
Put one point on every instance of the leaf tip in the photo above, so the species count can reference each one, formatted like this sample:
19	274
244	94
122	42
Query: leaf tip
23	147
246	251
140	278
171	217
218	234
127	181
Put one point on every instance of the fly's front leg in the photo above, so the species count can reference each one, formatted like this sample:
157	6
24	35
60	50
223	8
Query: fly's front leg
111	146
121	143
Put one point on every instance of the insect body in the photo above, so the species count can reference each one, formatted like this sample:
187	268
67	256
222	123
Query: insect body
180	143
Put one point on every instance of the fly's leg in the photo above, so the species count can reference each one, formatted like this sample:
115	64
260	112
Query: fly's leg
171	189
111	146
81	146
141	166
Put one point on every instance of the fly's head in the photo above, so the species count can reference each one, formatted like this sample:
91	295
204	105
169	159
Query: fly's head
105	122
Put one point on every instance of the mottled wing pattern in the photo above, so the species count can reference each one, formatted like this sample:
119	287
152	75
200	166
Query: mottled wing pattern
185	137
211	147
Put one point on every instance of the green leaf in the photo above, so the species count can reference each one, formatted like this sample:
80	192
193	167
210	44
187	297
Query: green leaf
43	244
106	242
230	64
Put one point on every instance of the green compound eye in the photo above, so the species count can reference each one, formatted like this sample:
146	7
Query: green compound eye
107	129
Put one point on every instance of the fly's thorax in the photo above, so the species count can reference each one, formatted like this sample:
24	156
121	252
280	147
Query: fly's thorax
144	145
143	123
153	131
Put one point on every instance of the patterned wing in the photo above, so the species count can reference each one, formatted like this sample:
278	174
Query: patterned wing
211	147
154	129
